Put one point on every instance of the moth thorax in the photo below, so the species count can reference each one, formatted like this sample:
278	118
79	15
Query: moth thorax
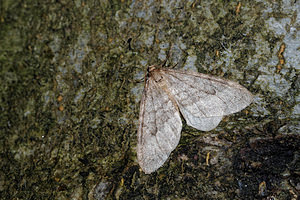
156	75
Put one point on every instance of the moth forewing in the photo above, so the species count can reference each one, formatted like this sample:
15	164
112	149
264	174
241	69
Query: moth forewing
159	125
213	92
202	100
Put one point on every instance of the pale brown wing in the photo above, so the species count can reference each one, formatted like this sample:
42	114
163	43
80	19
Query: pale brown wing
203	99
159	127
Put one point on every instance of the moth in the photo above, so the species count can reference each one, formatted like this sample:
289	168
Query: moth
201	99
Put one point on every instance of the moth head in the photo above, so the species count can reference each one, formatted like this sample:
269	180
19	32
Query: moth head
151	68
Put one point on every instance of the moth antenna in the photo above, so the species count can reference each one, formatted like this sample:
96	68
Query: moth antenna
167	57
184	59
